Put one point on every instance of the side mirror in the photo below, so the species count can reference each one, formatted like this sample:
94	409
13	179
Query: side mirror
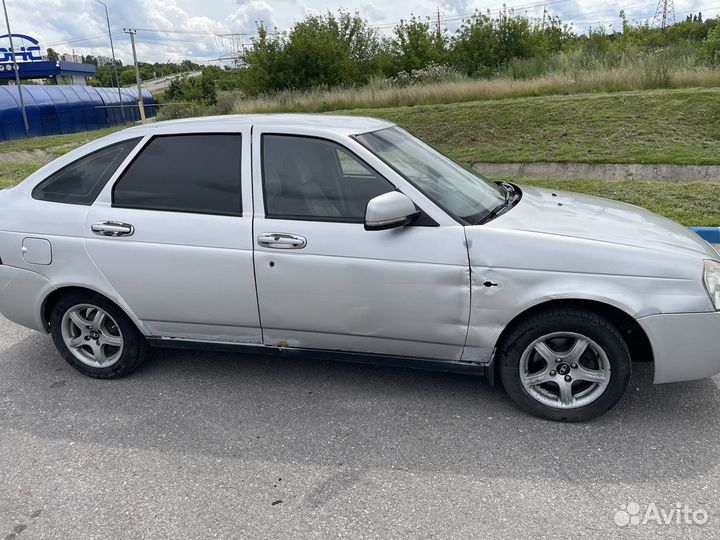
388	211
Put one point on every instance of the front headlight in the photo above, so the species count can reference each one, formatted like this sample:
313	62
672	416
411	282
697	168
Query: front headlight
711	277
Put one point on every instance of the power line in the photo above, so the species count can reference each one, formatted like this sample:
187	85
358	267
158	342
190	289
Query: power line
83	38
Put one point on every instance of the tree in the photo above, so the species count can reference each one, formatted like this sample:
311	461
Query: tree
415	44
475	48
321	50
52	55
711	46
127	76
104	76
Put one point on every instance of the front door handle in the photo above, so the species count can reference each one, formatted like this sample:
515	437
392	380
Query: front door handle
112	228
282	241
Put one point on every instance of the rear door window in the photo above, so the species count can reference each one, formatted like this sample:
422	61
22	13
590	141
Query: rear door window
198	173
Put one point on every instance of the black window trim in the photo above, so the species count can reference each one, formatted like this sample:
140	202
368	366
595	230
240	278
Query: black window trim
138	141
402	175
289	217
194	133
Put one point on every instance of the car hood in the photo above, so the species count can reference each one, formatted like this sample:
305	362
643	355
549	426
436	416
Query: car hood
561	213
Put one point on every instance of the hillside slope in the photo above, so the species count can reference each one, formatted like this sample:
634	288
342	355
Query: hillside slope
656	126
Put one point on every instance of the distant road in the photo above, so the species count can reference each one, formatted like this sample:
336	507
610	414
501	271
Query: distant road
161	83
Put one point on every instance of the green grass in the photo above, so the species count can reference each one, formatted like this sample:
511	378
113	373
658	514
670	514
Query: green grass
55	144
656	126
12	173
14	169
693	204
637	75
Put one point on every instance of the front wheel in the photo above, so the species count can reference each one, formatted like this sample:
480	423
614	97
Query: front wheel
95	336
565	364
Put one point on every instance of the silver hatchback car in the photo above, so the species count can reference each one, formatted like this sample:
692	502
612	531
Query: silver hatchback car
350	237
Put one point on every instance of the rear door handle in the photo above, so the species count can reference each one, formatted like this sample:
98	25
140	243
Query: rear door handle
112	228
282	241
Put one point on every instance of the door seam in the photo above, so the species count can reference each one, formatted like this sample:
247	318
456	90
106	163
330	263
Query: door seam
252	229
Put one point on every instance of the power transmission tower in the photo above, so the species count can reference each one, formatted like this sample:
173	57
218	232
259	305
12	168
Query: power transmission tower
664	14
236	44
439	28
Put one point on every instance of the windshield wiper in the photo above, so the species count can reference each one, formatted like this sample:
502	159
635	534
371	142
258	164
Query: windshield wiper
511	196
512	193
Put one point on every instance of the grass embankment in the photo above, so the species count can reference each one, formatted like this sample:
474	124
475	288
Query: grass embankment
12	173
19	158
463	89
55	144
693	204
656	126
663	126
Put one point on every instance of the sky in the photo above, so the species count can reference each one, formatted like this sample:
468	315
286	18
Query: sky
175	30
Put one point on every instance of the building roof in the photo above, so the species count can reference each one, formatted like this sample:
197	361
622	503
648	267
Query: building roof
45	69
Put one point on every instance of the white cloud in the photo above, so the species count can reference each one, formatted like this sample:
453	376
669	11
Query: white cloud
195	23
249	14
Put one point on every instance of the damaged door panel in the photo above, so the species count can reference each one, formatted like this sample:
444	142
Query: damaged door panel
325	282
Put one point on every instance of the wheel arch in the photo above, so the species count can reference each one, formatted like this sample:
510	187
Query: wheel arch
51	299
635	337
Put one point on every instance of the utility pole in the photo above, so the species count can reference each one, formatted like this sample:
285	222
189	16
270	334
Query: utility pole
141	105
16	67
664	14
112	50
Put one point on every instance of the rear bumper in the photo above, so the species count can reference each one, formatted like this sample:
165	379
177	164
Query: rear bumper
686	346
21	296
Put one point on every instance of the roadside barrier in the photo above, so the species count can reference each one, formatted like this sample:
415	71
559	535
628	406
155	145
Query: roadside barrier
710	234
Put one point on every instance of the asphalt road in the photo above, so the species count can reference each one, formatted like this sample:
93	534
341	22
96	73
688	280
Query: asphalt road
205	445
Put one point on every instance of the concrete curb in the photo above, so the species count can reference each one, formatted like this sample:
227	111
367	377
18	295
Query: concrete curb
601	171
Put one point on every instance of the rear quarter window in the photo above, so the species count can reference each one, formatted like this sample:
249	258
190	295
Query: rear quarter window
83	180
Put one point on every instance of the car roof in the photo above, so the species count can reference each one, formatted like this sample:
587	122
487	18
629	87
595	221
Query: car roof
338	123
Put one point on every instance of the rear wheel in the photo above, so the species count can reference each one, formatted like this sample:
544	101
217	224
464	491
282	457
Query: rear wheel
565	364
95	336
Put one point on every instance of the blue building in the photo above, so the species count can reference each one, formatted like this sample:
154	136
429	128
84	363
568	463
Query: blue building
59	109
55	110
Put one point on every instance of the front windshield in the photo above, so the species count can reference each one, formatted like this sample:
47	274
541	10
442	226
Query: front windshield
463	193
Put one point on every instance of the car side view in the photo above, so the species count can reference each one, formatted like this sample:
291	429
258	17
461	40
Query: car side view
349	237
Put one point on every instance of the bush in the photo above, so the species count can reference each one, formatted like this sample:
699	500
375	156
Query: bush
199	90
432	73
710	49
182	110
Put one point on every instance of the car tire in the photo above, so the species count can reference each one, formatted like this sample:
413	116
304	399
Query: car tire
96	337
566	365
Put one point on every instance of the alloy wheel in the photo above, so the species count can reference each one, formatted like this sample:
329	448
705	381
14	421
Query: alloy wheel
564	370
92	335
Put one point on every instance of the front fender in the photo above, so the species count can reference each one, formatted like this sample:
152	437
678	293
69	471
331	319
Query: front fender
512	292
